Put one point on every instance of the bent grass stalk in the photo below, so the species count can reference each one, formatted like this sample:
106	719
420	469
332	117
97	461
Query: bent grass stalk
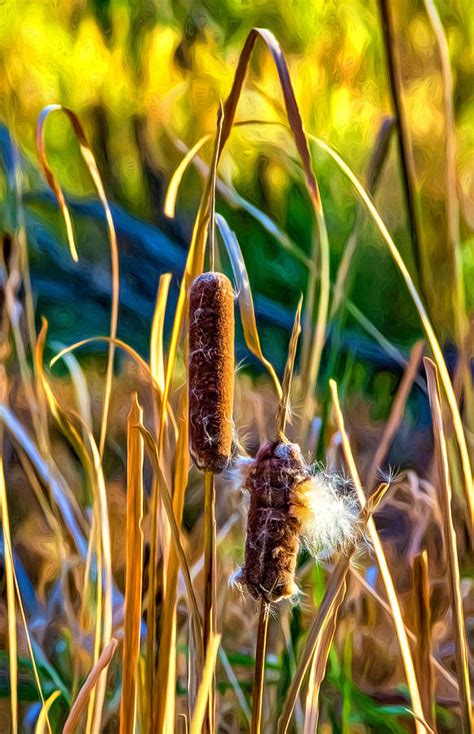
454	578
91	164
384	570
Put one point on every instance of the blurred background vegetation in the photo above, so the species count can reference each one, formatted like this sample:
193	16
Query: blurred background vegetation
145	77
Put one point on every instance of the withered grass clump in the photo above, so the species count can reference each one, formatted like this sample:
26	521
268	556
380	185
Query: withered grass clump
273	527
211	371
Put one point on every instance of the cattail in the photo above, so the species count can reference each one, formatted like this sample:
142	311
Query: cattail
211	371
289	504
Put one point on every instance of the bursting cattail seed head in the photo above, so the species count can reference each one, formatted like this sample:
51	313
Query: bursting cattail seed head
211	371
290	504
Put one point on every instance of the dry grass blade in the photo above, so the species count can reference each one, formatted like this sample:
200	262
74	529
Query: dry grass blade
41	723
325	617
11	577
259	677
133	570
445	674
50	478
245	299
11	605
429	331
166	673
153	454
159	526
90	161
130	351
454	579
396	412
422	631
157	359
206	683
169	206
317	673
89	684
384	569
284	407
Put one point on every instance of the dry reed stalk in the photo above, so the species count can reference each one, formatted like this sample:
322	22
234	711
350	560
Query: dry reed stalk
454	578
89	685
422	630
133	570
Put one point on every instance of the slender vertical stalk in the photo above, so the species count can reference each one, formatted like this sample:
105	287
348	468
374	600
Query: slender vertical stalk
259	679
209	626
407	163
422	628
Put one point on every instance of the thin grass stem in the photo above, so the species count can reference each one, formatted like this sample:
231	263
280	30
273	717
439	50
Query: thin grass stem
259	676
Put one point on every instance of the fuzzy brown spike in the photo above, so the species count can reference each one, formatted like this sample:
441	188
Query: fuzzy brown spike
273	529
211	371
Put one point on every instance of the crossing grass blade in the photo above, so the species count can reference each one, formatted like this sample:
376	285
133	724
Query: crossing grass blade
91	164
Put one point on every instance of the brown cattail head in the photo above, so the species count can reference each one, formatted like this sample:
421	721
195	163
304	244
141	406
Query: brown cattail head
273	531
211	371
290	503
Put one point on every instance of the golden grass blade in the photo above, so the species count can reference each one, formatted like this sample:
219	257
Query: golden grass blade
206	683
100	519
157	359
384	569
326	616
133	570
422	631
90	161
10	573
169	206
316	676
284	407
429	331
130	351
454	578
11	605
41	723
259	677
166	673
159	529
244	295
89	684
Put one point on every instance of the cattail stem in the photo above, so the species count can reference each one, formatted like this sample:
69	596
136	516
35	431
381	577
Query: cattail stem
210	560
260	655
